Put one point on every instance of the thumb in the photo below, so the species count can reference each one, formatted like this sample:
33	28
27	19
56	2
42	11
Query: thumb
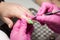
23	26
8	21
17	25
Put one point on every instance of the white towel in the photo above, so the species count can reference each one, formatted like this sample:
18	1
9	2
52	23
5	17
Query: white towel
3	36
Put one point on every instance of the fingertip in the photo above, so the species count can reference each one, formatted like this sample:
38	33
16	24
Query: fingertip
30	21
8	21
10	25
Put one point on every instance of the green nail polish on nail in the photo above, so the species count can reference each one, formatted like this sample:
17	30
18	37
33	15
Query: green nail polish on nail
30	21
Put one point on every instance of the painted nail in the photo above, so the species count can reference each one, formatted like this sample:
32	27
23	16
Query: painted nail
30	21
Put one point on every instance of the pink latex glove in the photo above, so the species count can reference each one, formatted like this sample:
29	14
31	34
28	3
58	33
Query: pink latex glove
52	21
21	31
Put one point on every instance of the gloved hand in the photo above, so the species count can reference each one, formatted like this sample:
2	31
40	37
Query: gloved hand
21	31
52	21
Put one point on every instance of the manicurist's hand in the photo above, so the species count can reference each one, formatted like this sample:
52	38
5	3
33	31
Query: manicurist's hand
52	21
21	31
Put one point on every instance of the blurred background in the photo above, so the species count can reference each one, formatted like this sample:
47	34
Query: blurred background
40	32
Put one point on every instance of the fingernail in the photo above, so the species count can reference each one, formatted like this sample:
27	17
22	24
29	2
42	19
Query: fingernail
30	21
9	25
